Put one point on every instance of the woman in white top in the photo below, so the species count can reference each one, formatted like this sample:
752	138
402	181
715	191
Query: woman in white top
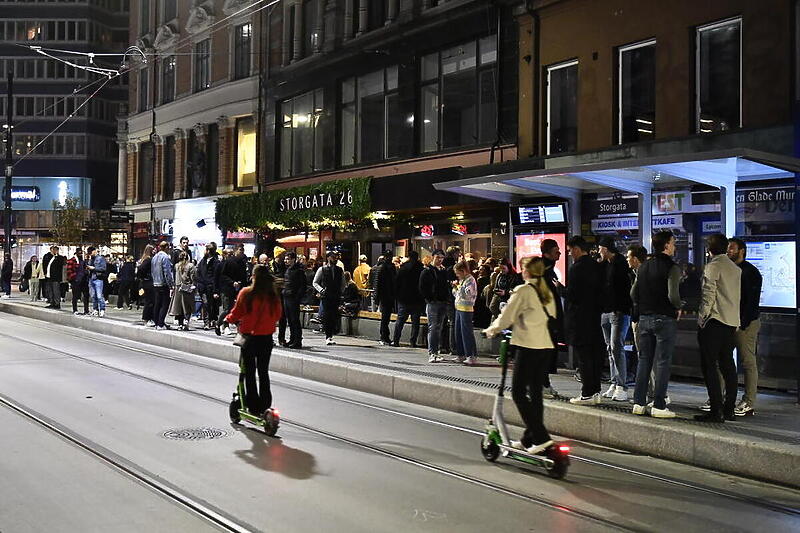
527	312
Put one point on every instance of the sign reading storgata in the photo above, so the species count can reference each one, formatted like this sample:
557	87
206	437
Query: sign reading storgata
316	200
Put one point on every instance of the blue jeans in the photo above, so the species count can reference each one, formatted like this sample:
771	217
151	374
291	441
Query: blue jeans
465	337
656	338
96	294
615	329
436	311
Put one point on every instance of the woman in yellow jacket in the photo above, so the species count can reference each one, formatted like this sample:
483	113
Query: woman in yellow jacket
527	312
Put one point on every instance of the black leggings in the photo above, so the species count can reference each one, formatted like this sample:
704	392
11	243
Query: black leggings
256	353
530	367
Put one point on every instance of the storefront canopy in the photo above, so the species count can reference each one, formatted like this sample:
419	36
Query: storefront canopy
721	169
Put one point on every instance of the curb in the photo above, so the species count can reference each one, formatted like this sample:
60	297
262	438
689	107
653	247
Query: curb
724	452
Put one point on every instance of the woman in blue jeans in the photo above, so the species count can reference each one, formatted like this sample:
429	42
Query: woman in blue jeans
465	292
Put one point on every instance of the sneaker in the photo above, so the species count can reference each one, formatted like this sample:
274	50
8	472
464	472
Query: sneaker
458	359
549	393
744	409
77	313
161	328
149	324
101	314
667	401
93	313
383	343
396	344
516	444
471	361
620	395
661	413
536	449
638	409
610	392
435	358
329	341
594	399
706	406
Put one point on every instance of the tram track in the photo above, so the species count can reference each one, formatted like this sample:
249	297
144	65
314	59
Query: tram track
749	500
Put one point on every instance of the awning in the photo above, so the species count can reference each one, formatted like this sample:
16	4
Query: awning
722	169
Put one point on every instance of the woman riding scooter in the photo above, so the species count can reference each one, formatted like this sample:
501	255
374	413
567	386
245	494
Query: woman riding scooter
528	311
257	310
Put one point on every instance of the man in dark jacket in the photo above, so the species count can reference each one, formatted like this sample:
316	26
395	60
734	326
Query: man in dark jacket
452	256
435	287
616	317
176	252
746	335
329	283
8	271
54	272
409	300
582	319
207	285
125	278
232	277
78	278
551	253
385	295
373	275
294	287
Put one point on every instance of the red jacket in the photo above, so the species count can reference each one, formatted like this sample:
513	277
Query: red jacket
260	319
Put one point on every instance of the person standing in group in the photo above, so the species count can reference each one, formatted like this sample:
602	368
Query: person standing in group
464	294
616	317
528	312
206	285
551	253
182	305
98	268
7	273
448	342
125	279
78	277
34	276
502	283
175	257
435	288
361	275
718	318
746	336
144	272
329	283
582	319
163	283
371	281
277	268
385	294
294	288
409	300
232	277
635	255
256	311
53	266
656	301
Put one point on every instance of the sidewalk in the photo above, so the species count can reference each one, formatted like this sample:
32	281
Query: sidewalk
766	446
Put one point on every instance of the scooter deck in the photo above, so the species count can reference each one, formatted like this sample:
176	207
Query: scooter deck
521	455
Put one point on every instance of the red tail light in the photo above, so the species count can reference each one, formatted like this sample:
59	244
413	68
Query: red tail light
275	412
563	449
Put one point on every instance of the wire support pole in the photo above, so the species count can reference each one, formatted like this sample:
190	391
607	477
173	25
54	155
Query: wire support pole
9	166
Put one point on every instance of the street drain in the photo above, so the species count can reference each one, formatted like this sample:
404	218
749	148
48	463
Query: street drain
195	434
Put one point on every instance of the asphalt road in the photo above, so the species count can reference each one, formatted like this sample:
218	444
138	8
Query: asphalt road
83	448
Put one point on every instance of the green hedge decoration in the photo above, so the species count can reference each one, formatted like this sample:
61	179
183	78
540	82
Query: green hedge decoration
336	203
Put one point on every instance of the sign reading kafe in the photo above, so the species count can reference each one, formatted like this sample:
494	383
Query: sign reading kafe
605	225
316	200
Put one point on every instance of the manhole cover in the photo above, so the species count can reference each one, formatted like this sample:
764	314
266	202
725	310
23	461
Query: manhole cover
195	434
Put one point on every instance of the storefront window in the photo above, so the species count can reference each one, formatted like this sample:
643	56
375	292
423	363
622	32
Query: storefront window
637	92
301	135
458	96
245	153
562	108
719	76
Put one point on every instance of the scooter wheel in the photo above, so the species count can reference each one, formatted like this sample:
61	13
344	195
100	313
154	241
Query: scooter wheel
490	450
233	411
271	423
559	469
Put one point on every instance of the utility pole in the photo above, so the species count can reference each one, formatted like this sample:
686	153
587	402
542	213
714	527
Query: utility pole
9	163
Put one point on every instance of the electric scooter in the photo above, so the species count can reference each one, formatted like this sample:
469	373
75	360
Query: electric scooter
238	411
496	442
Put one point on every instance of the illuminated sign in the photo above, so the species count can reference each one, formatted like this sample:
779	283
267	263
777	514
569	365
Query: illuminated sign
25	194
426	231
459	229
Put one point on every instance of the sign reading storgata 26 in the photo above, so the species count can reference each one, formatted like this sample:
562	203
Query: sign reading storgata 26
316	200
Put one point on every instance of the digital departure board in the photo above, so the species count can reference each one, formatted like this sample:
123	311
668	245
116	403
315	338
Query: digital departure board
541	214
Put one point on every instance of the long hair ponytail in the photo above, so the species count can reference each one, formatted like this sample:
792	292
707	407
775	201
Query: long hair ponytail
535	268
262	286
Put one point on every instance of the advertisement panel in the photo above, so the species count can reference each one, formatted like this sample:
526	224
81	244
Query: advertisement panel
776	260
531	245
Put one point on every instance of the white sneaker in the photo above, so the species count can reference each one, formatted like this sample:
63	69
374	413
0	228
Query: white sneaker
150	324
329	341
435	358
539	448
102	314
620	395
594	399
706	406
383	343
93	313
471	361
610	392
661	413
516	444
639	409
667	401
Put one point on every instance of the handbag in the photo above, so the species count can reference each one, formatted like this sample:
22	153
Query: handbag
240	339
186	287
552	324
23	286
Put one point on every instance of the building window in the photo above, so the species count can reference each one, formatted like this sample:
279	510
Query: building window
245	153
242	46
719	76
169	10
311	36
301	134
144	89
373	126
637	92
167	79
562	108
145	181
169	167
202	65
212	163
144	16
458	100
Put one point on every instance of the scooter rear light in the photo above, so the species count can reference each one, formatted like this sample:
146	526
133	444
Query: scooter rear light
275	412
563	449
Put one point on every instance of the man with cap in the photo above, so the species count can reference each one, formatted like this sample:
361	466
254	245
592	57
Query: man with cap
616	317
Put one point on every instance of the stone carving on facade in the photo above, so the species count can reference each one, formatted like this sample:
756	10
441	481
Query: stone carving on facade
166	38
232	6
200	18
